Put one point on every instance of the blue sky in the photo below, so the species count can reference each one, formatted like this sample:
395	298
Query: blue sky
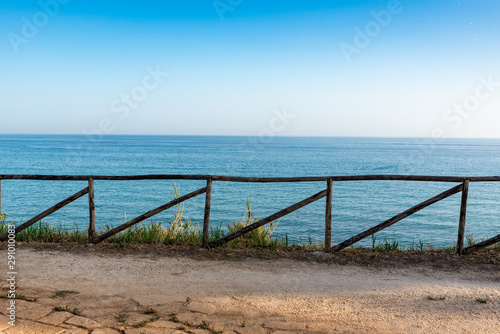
423	68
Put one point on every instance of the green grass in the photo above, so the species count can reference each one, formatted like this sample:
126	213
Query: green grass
184	232
145	322
150	311
63	293
206	326
181	231
259	237
384	245
43	232
173	317
186	325
436	298
122	317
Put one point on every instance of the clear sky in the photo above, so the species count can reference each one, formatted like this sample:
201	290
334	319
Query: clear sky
230	67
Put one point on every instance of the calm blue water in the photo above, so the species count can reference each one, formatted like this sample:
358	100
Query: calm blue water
357	205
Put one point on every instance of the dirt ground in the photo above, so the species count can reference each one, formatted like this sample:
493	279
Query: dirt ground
189	290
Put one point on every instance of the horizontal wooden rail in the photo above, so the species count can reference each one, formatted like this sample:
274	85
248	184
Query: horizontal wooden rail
341	178
484	179
397	218
47	212
103	177
428	178
148	214
268	219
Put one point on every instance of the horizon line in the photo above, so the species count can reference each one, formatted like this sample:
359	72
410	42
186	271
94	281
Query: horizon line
242	136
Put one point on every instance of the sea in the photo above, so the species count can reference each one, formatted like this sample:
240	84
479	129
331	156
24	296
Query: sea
357	205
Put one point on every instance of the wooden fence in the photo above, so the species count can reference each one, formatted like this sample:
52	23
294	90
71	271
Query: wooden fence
462	187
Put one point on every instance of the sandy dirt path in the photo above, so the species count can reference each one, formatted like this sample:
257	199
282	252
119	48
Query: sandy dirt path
256	295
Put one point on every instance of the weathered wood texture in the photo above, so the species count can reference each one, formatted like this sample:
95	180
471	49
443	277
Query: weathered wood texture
328	216
268	219
341	178
91	211
206	218
251	179
461	222
484	178
47	212
104	177
147	215
481	245
397	218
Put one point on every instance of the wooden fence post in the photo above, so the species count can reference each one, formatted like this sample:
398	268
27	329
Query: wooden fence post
461	223
91	211
206	219
328	216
